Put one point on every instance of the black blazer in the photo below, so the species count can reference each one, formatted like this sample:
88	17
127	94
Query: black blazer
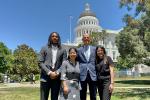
45	61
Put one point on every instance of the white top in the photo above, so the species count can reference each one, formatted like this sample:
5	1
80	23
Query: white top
54	55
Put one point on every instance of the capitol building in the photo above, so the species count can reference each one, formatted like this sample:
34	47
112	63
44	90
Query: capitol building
89	23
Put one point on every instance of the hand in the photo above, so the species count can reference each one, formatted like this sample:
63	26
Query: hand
66	90
53	75
111	87
57	72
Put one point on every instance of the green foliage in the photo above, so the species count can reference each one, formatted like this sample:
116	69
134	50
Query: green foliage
124	63
1	77
98	36
130	21
129	43
147	61
131	48
140	5
80	45
26	78
25	61
37	77
134	40
147	40
95	38
5	58
3	67
15	78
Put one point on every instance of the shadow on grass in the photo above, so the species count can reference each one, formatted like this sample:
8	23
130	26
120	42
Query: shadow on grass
133	82
142	94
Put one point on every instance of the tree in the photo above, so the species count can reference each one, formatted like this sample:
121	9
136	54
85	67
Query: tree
130	21
147	40
98	36
130	45
142	23
124	63
133	41
141	5
25	61
3	67
5	58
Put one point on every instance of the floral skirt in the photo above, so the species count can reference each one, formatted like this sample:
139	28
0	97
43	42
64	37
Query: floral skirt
74	91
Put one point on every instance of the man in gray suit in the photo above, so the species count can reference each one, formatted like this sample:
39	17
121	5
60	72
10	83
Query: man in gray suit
86	54
51	57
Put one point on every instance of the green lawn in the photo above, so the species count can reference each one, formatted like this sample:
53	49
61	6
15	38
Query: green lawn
24	93
28	93
133	82
131	94
32	93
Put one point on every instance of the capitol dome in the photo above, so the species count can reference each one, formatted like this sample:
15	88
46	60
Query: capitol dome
87	23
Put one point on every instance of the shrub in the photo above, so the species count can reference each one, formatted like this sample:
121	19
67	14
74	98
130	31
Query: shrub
37	77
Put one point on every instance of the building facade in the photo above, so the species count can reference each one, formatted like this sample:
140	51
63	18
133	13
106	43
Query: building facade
88	23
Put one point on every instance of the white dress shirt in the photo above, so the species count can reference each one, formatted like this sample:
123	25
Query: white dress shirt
87	52
54	55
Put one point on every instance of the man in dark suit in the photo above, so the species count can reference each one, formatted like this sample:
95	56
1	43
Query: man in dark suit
51	57
86	54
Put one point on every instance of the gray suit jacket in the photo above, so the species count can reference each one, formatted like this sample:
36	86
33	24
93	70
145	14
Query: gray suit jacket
85	65
45	61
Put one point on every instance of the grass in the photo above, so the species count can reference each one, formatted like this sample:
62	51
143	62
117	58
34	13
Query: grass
21	93
32	93
132	82
28	93
2	85
132	94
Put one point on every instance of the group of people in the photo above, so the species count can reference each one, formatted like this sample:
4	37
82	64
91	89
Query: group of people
67	77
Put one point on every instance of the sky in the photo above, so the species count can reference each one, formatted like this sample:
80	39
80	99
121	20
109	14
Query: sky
31	21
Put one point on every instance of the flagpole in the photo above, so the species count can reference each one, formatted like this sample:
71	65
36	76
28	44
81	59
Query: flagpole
70	17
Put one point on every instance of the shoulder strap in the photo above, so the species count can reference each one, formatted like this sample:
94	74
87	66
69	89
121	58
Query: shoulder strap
106	60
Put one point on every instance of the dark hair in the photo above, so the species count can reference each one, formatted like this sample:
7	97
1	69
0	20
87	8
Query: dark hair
97	57
50	40
75	51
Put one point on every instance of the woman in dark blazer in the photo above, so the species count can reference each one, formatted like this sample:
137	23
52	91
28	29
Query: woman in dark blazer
105	73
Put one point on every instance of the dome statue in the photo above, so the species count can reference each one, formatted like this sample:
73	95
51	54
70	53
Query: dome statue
87	11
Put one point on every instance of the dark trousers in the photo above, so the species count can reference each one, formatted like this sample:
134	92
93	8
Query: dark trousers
45	87
92	88
103	89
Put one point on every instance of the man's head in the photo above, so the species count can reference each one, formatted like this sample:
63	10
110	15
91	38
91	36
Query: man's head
54	39
86	39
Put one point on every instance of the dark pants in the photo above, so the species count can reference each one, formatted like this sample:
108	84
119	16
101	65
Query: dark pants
45	87
103	89
92	88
